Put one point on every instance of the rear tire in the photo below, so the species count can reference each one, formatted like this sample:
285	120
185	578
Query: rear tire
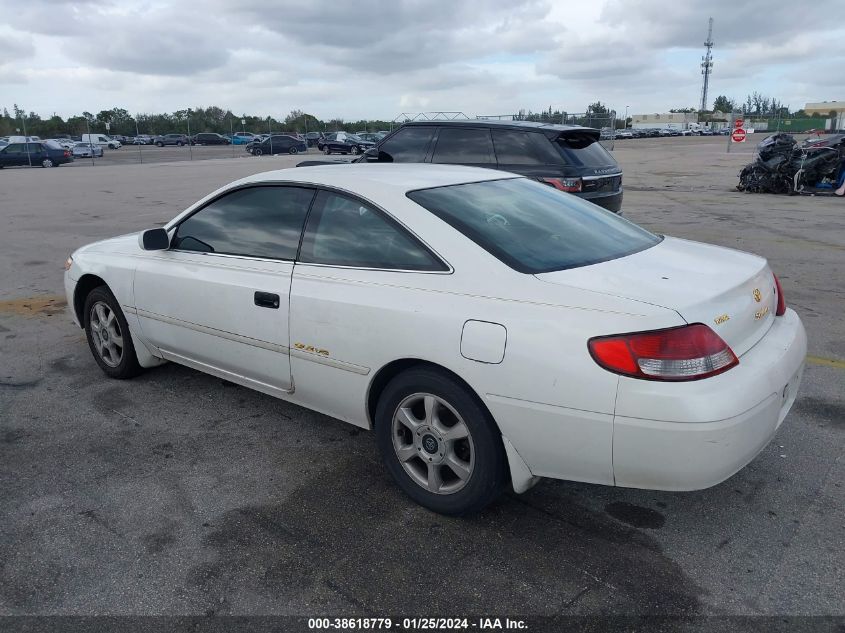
108	335
452	457
47	163
293	150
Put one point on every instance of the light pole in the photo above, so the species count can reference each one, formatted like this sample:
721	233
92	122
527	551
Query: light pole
140	155
626	116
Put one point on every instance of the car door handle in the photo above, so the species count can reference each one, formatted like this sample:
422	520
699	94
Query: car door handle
266	300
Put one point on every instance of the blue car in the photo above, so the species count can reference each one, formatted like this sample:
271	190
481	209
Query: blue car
242	138
44	154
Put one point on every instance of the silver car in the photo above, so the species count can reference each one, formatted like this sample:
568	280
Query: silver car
86	150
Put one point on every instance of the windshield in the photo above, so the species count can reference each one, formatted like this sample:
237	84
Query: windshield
534	228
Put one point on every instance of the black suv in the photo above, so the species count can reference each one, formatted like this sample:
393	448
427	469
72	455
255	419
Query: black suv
567	157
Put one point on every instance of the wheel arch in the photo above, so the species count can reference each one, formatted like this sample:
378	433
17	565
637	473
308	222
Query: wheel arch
83	288
521	478
387	373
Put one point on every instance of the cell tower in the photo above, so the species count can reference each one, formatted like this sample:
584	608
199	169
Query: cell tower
707	65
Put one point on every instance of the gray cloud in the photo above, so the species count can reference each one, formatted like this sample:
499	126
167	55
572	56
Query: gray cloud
15	47
378	57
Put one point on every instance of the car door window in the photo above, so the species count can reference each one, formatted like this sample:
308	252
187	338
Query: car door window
408	145
523	148
464	145
256	221
343	231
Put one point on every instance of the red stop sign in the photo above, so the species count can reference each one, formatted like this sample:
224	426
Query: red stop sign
738	136
738	123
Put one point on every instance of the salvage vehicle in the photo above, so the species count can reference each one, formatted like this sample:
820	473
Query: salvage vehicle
488	328
815	166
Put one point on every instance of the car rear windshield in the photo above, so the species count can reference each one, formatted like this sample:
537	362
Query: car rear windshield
583	150
534	228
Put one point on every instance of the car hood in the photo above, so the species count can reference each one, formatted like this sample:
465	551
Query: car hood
730	291
121	244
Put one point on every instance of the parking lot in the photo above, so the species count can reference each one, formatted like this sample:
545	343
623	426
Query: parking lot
180	493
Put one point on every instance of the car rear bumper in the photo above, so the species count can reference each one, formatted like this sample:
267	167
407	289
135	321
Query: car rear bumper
612	201
693	435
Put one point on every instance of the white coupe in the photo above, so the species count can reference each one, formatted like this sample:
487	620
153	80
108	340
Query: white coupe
490	329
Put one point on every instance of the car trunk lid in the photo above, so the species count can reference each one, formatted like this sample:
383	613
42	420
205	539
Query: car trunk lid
730	291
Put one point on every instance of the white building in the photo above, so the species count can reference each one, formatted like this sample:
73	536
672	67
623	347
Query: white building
670	120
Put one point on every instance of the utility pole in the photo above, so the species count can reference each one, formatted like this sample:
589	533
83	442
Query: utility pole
707	66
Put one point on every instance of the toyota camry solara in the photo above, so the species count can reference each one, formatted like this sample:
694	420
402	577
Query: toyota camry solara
489	329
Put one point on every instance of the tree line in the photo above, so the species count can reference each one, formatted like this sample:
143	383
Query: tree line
207	119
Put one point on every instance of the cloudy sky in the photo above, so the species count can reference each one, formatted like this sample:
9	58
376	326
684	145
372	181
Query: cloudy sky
379	58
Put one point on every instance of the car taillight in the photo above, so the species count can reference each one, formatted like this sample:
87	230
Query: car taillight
689	352
781	309
564	184
67	154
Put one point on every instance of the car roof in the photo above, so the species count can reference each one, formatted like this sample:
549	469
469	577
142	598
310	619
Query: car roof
371	179
516	125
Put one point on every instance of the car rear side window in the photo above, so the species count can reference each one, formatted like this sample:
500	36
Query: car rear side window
584	150
533	228
256	222
524	148
463	146
344	231
409	144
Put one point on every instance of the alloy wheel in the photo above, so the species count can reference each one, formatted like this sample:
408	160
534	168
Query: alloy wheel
106	334
433	443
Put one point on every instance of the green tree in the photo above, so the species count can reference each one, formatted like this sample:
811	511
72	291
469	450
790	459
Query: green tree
597	108
724	104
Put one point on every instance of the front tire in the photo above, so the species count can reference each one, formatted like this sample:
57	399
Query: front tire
257	152
108	335
439	442
326	150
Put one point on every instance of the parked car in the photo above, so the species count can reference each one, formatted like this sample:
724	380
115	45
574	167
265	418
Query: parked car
345	143
624	134
277	144
567	157
242	138
86	150
209	138
44	154
489	330
373	137
312	138
64	142
143	139
171	139
100	139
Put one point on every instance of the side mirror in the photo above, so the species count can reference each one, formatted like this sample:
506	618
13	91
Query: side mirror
154	240
373	155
